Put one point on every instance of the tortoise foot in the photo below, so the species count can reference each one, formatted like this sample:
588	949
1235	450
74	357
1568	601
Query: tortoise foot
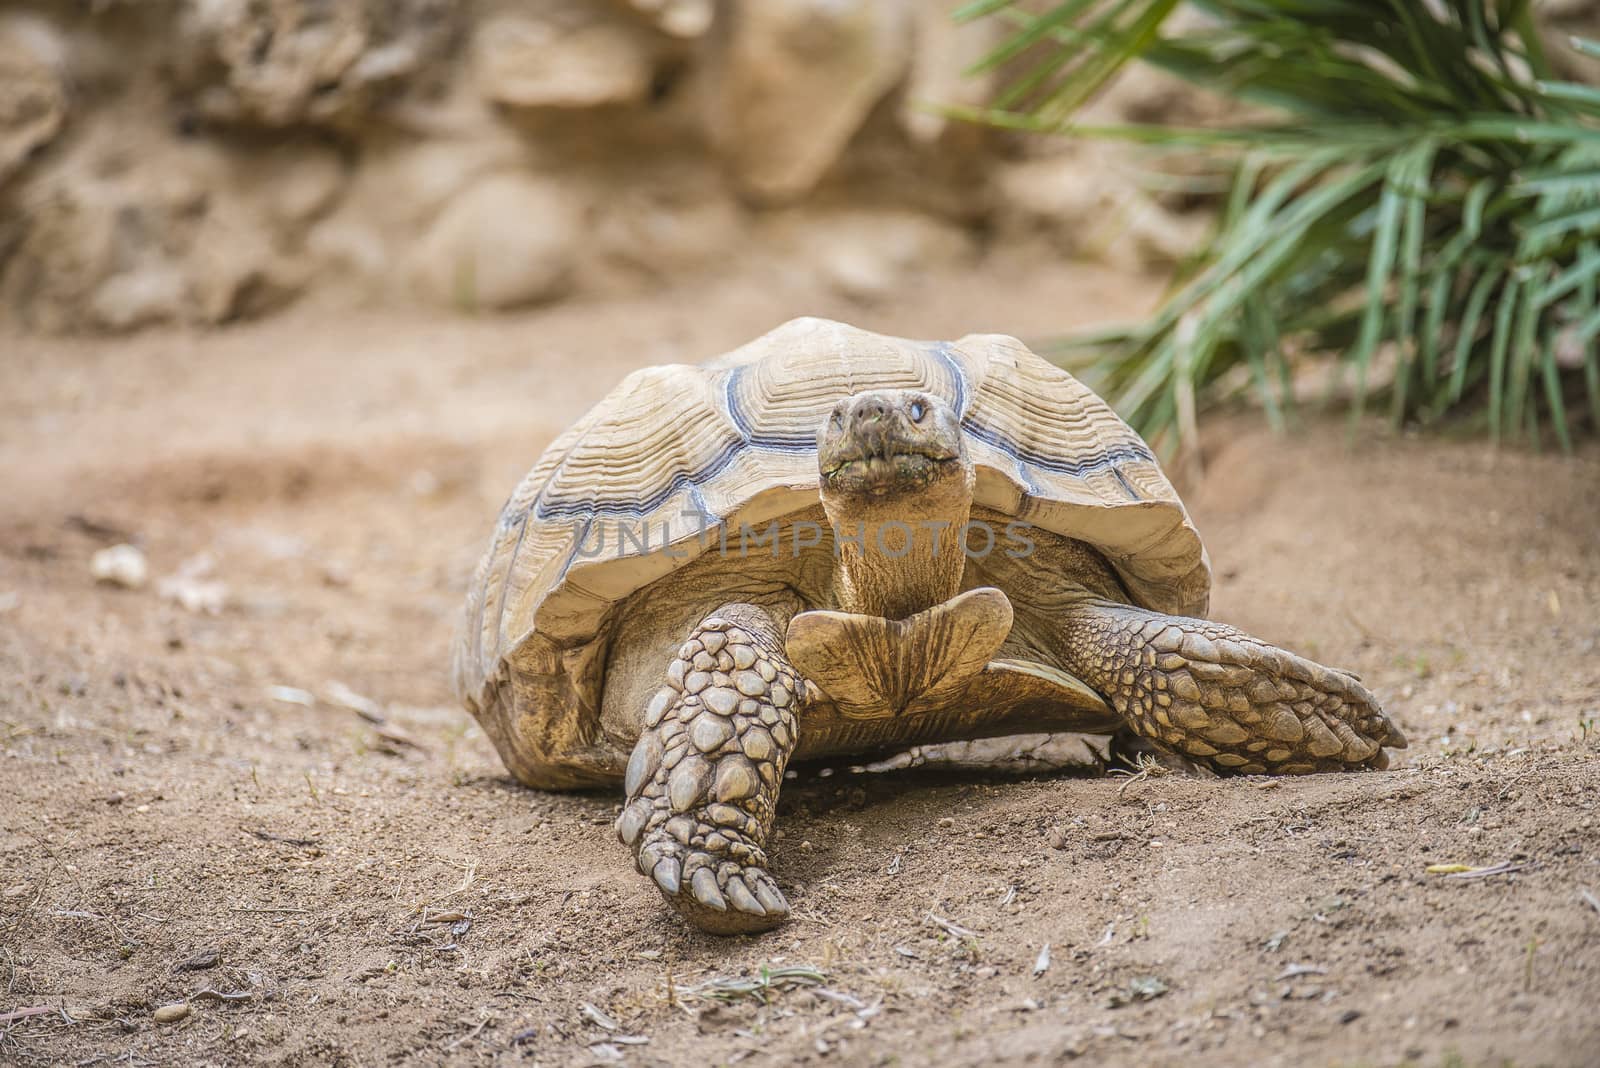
711	891
703	781
1216	695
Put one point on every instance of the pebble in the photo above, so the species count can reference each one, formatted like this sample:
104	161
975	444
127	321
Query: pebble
178	1010
120	565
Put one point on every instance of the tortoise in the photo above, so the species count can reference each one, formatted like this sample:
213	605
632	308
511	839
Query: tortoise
831	541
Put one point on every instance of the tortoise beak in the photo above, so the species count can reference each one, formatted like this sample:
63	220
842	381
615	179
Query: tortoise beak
884	439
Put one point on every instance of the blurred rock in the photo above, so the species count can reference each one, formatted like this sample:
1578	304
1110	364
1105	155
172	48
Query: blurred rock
193	588
506	241
235	271
295	183
561	56
686	19
120	565
868	255
140	298
667	231
325	62
1089	205
792	82
33	94
944	50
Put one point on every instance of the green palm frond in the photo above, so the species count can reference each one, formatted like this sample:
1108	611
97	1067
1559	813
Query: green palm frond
1422	190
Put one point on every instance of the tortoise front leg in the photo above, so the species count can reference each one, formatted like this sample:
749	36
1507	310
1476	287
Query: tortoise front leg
1218	695
702	784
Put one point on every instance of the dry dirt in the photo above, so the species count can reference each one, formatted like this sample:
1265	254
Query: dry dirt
160	804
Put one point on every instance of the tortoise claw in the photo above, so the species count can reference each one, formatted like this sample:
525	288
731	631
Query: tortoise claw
769	895
704	888
666	873
743	899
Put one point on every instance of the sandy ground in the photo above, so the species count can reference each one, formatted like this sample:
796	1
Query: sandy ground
355	893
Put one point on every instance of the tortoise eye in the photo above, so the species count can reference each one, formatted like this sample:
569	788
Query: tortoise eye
917	411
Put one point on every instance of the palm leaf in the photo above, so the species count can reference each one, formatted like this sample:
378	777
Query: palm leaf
1423	185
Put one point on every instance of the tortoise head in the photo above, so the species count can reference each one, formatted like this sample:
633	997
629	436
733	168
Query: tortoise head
897	487
888	444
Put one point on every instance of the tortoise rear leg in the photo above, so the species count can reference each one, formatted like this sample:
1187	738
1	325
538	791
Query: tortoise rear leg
1217	695
702	784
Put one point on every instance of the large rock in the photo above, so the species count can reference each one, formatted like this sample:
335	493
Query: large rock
289	62
792	82
33	96
506	241
125	228
561	56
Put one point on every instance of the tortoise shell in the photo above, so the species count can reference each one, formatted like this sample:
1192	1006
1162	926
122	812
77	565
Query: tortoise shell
631	492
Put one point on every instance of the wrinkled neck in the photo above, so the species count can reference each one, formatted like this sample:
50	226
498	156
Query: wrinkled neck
899	556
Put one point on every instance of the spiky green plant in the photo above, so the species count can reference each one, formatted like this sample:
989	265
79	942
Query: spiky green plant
1421	190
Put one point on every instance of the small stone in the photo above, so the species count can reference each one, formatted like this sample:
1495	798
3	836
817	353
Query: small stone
120	565
167	1014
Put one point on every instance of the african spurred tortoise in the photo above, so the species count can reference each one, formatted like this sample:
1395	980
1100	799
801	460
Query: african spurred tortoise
831	541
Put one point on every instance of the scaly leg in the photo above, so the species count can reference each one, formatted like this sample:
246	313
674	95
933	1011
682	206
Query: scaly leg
1216	694
702	784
